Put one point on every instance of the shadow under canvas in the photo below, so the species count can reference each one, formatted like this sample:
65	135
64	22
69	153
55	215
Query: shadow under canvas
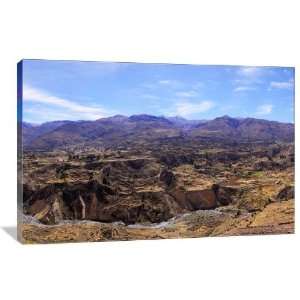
11	230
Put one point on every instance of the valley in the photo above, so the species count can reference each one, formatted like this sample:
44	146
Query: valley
148	177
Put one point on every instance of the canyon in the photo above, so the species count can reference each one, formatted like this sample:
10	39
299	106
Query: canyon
148	177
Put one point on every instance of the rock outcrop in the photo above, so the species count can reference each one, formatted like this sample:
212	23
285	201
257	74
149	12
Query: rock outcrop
286	193
99	201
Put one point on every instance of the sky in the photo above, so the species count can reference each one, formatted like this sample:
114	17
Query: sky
75	90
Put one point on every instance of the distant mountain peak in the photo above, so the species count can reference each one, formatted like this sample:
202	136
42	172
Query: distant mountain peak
229	121
147	118
116	118
225	117
144	127
177	118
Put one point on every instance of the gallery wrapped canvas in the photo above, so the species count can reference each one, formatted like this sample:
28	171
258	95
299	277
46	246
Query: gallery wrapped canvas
125	151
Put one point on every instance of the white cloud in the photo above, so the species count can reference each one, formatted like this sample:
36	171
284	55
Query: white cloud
282	84
171	83
244	88
248	78
167	82
174	84
264	109
200	84
186	94
150	96
40	114
185	108
100	68
249	71
34	95
148	85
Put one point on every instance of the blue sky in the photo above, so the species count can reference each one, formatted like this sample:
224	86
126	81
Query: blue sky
71	90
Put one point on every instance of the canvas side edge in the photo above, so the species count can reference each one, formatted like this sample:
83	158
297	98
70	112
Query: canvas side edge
19	150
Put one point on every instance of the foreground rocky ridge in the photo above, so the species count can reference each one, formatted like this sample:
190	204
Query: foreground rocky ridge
276	218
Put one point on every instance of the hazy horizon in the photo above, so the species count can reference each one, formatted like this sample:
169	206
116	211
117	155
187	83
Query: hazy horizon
71	90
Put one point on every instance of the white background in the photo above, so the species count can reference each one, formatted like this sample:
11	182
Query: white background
210	32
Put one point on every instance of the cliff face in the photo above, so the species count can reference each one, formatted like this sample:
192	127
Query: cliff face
114	195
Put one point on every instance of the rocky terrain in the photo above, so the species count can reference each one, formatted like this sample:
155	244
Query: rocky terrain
146	177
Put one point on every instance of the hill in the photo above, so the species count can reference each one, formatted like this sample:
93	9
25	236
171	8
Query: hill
119	129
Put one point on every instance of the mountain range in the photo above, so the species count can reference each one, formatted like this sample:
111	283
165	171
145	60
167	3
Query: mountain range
117	129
